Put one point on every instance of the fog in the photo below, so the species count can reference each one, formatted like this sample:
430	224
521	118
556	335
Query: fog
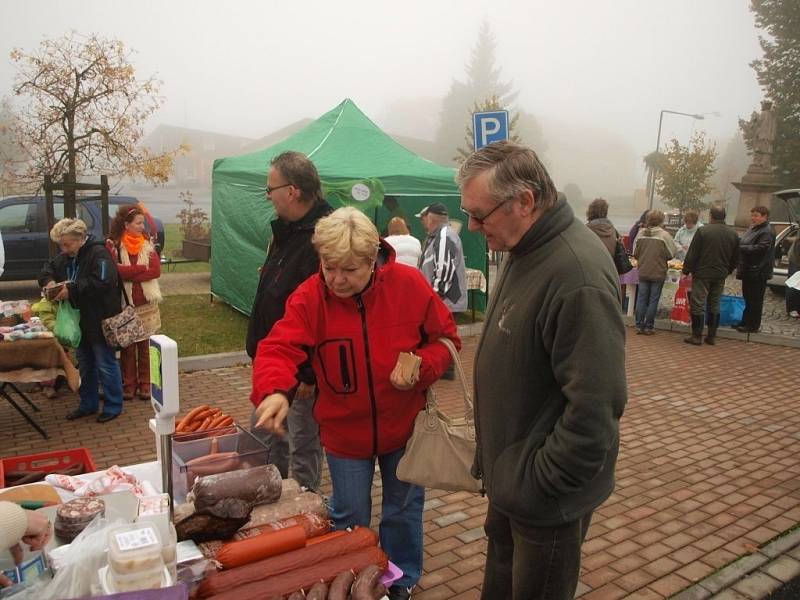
594	74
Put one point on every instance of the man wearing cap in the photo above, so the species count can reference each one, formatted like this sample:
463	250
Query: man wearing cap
442	258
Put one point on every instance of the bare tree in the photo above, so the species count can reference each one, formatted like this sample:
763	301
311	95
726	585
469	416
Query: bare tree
81	111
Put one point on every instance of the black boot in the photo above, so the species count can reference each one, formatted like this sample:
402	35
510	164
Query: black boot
713	324
697	331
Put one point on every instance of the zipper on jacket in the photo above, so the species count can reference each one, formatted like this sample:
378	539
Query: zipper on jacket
345	371
362	310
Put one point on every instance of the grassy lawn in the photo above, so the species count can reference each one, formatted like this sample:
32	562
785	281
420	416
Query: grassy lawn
202	327
172	247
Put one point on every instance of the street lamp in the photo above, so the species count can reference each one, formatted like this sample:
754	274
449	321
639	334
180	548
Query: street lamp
658	144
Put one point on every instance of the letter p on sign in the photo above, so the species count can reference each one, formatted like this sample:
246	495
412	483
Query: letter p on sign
489	127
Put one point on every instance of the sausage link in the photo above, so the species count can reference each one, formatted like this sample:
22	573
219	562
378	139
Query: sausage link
340	586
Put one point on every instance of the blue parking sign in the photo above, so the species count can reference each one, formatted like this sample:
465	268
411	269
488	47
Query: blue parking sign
489	127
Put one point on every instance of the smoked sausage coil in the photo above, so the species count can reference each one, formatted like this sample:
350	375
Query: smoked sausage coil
306	576
340	586
366	580
359	538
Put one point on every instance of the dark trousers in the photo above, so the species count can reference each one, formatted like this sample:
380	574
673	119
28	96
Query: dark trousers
753	289
706	293
532	563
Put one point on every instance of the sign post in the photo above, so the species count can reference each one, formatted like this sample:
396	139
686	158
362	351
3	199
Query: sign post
489	127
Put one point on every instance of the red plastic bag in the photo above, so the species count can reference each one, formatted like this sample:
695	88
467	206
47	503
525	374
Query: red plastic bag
680	309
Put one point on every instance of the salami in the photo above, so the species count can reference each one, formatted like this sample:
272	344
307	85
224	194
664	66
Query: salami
243	552
304	577
74	516
359	538
258	485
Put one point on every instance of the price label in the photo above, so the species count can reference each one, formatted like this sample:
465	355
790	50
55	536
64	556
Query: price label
138	538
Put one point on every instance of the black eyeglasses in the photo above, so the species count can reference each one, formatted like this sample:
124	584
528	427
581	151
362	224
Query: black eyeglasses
277	187
482	220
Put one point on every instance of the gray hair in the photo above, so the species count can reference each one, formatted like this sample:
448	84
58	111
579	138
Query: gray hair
73	227
512	168
299	171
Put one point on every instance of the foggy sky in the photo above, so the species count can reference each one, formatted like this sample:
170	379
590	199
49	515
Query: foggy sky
248	68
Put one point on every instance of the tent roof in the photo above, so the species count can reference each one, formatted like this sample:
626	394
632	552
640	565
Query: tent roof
345	144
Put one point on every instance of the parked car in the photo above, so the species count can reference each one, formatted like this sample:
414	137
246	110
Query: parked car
23	222
787	226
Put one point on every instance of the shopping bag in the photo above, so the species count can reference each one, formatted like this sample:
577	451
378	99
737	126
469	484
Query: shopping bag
621	260
441	449
794	281
680	309
731	309
68	327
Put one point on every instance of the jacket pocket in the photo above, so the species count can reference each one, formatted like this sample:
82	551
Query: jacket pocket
514	488
336	358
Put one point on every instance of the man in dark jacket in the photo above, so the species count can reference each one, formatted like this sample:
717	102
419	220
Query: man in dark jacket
294	188
93	288
712	256
549	375
756	260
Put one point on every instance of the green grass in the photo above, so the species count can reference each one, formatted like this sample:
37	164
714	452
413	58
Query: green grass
172	249
202	327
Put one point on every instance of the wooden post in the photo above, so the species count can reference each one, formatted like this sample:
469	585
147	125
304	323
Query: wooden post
49	213
104	202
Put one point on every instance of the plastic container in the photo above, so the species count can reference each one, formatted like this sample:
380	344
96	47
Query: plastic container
135	549
113	583
48	462
248	451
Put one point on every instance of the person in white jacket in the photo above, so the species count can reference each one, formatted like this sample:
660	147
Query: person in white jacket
406	246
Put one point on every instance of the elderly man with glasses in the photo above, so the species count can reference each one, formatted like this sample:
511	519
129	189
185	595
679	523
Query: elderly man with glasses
295	191
549	375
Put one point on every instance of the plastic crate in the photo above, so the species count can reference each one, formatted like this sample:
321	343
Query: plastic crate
242	451
47	462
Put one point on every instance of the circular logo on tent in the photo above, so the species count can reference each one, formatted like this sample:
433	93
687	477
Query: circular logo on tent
360	192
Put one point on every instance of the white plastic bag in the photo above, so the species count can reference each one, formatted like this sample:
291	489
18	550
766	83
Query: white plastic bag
794	281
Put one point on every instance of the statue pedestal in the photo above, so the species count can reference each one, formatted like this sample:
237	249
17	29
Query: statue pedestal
755	189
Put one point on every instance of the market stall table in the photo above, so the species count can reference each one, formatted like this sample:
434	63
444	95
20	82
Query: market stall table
28	361
631	282
475	281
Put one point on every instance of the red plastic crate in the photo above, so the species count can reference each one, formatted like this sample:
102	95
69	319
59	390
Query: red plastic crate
47	462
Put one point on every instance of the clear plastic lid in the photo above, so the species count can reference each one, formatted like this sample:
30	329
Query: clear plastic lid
134	548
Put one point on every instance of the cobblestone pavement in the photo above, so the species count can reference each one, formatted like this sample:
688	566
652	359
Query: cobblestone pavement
774	319
708	469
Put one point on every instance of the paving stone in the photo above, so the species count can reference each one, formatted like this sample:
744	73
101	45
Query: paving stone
756	585
472	535
783	568
734	572
695	592
453	517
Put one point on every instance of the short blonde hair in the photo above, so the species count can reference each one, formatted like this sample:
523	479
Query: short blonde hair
397	226
346	234
73	227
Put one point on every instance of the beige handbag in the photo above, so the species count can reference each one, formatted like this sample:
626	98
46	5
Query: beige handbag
125	328
441	449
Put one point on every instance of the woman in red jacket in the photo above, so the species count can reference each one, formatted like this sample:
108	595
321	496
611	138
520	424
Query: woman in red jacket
354	318
139	269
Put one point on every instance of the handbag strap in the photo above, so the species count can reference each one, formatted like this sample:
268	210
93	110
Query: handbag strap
120	281
448	343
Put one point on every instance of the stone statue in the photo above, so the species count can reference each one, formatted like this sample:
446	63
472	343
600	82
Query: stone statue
759	135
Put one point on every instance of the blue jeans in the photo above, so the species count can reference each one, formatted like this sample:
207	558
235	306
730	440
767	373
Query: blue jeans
401	511
647	298
96	362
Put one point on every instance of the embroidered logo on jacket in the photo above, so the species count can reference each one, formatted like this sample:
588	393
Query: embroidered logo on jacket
507	308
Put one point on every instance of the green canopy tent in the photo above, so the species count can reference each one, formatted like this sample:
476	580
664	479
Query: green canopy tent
359	165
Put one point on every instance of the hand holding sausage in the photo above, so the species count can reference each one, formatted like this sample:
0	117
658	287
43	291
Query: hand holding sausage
271	413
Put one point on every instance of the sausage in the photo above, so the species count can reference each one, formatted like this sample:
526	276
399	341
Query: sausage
190	416
305	576
259	485
379	591
365	582
298	595
318	591
340	586
243	552
359	538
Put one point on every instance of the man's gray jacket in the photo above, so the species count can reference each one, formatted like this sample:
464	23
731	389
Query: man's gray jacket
549	373
442	263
